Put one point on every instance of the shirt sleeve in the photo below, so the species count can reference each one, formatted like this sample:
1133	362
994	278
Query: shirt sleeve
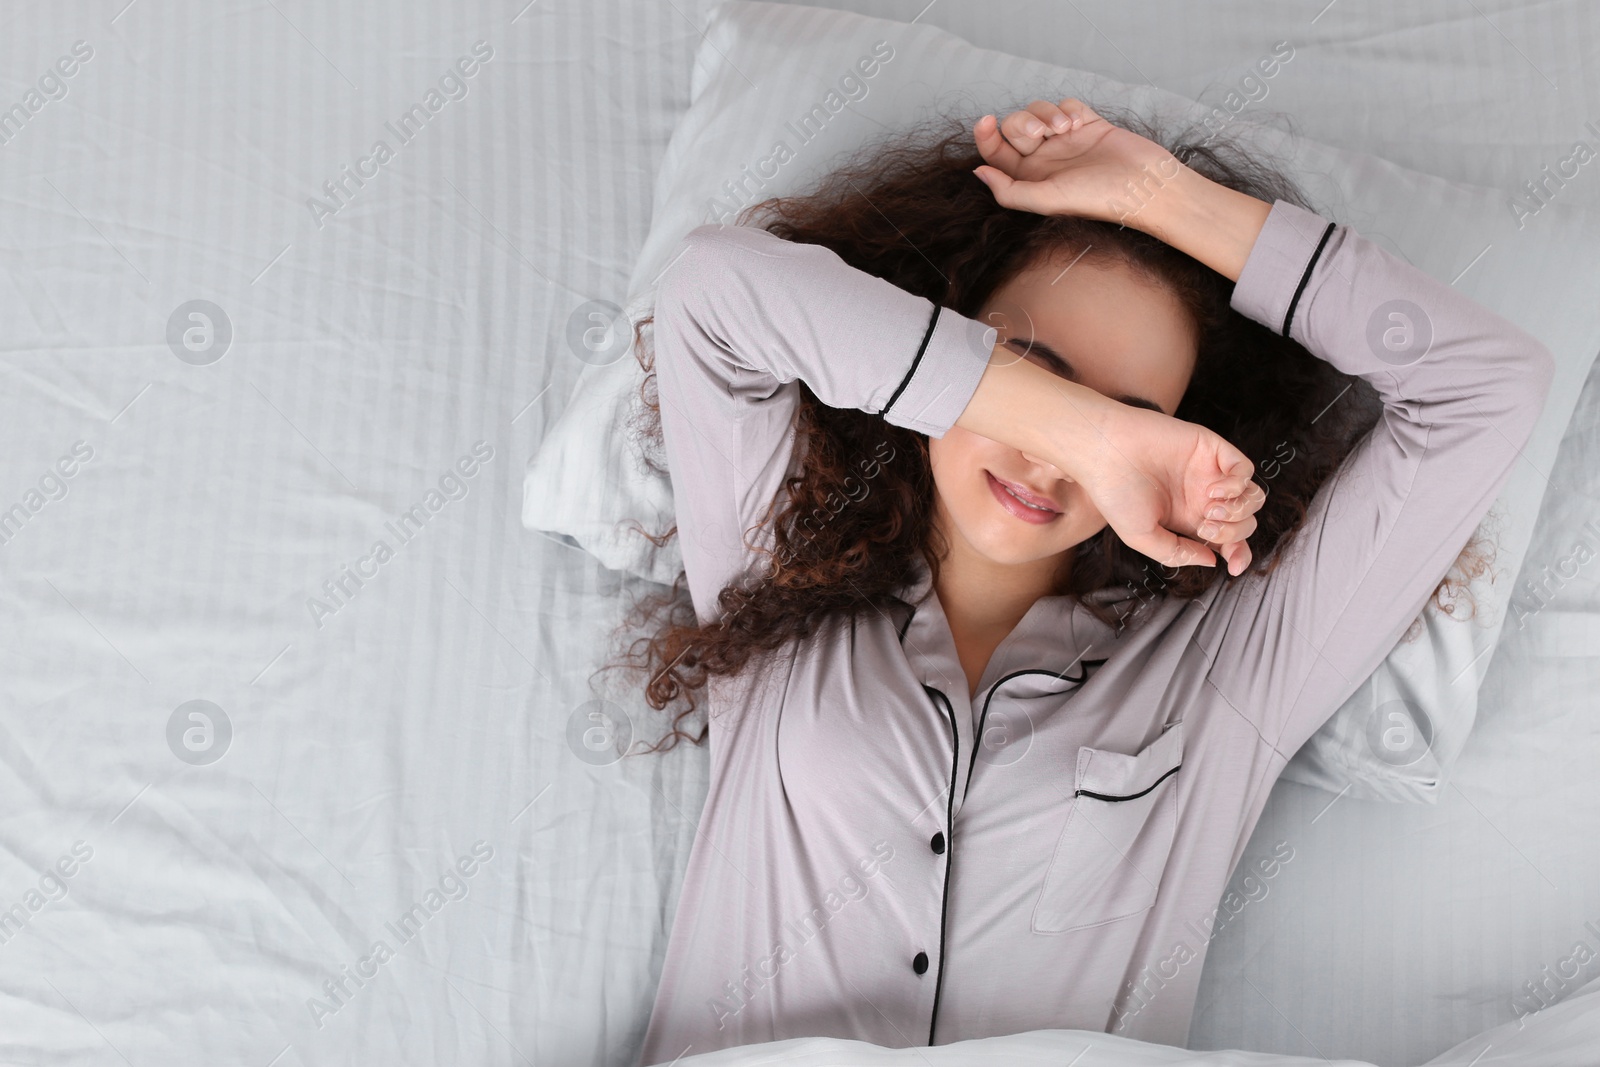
740	316
1289	647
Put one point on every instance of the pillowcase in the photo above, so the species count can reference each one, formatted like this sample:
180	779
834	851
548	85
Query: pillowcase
831	81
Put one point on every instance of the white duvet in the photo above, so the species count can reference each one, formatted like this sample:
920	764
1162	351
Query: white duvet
1565	1035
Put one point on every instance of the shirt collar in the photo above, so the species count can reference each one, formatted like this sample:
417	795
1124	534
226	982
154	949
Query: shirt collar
1055	636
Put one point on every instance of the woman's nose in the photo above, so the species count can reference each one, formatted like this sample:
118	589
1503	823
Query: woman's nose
1050	467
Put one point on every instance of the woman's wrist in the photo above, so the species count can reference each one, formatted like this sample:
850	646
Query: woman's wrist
1204	220
1036	411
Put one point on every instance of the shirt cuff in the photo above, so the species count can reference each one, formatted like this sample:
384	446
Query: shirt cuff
943	375
1271	286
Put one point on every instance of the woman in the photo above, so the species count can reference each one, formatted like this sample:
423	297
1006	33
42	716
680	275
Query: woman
989	729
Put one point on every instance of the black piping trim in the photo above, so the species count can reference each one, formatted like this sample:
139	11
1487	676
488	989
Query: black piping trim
901	637
1288	316
1130	796
983	718
949	851
920	350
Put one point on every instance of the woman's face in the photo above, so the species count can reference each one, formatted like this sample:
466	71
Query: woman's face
1119	334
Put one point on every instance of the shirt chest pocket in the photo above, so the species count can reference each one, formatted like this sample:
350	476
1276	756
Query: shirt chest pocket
1109	858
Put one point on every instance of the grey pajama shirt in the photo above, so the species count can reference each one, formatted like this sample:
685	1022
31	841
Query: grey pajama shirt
864	867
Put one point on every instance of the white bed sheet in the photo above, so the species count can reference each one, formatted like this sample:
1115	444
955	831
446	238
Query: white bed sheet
432	710
368	355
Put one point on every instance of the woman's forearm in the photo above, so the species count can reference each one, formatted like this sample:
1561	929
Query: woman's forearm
1020	404
1151	475
1209	222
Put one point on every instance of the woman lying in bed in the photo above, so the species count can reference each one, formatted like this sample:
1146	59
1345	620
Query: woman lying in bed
955	457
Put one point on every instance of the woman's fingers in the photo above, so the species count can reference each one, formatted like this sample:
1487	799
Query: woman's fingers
1231	509
1237	557
1019	196
1219	532
1025	130
1006	143
1051	115
1235	496
994	148
1227	528
1169	549
1078	113
1232	499
1237	471
1188	553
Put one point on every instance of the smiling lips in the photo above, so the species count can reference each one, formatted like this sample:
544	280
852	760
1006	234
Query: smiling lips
1021	502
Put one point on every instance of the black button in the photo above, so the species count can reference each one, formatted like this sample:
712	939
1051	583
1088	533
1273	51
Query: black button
919	962
937	844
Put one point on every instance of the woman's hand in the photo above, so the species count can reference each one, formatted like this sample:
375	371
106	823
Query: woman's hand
1171	488
1063	159
1066	160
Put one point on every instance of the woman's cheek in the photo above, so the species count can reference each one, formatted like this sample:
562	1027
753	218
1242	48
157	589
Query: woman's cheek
1085	518
955	465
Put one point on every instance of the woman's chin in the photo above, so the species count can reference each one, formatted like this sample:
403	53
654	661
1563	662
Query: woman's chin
1011	546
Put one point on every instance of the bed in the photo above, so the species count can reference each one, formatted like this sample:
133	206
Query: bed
288	681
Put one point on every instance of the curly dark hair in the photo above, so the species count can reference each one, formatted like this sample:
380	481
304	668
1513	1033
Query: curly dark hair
908	209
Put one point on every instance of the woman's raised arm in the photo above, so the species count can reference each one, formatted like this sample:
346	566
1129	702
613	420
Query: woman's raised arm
1066	160
1461	389
741	316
